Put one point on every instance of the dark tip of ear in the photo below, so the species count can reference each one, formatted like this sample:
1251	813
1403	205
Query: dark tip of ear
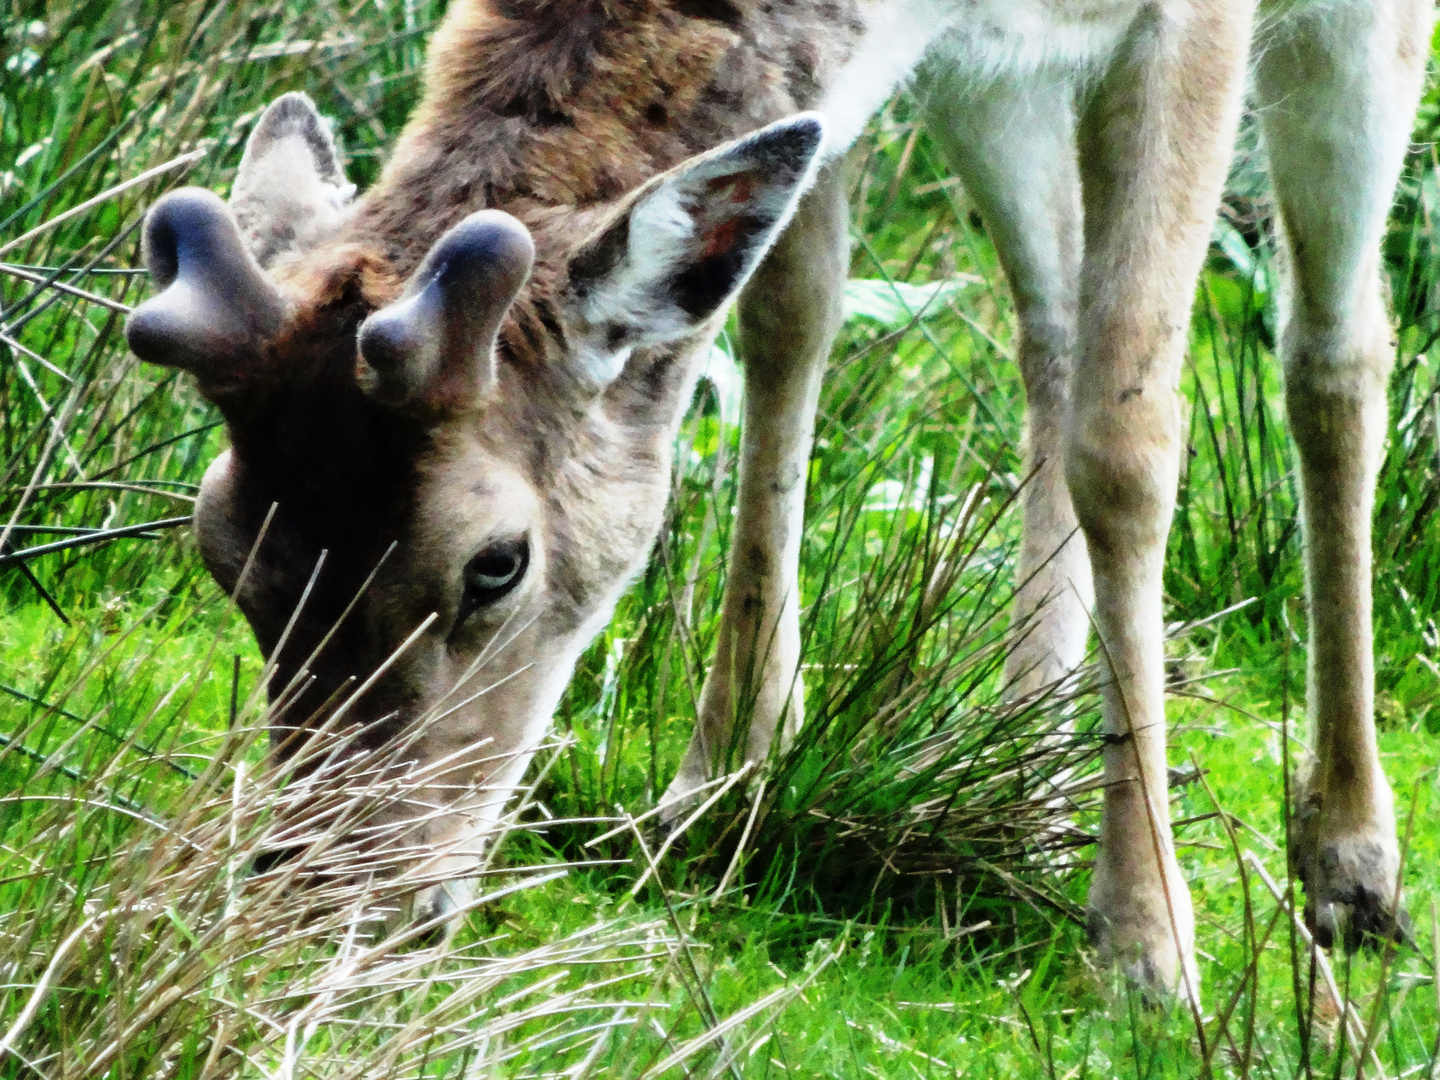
797	137
807	125
295	114
290	112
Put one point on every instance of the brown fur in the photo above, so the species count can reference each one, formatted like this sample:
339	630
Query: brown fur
570	103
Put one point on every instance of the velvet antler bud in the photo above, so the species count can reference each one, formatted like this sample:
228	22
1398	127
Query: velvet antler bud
217	310
433	350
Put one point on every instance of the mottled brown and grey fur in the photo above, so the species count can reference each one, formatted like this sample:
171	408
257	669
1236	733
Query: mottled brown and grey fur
563	223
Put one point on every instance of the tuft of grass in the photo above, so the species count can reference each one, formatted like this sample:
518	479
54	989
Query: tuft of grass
140	935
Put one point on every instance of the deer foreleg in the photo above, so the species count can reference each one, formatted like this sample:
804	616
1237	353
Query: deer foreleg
789	314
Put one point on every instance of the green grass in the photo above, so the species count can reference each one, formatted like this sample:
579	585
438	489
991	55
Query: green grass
894	914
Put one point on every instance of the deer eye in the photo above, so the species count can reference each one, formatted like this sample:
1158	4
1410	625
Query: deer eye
491	574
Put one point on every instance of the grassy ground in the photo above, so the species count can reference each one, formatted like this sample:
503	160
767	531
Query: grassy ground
894	913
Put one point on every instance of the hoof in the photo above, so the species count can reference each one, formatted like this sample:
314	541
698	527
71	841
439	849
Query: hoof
1350	873
1151	965
437	907
1350	892
678	802
1135	931
274	858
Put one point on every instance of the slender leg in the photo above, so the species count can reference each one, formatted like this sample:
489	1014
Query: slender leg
1338	88
789	315
1154	142
1013	146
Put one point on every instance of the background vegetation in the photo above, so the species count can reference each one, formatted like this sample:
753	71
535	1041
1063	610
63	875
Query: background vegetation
906	897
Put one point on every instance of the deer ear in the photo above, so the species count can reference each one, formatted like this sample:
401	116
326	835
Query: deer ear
291	191
679	249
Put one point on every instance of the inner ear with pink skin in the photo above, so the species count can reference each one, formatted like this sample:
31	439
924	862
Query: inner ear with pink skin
432	352
676	252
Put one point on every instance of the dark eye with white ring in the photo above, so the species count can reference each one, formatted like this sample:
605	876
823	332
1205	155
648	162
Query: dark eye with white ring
491	575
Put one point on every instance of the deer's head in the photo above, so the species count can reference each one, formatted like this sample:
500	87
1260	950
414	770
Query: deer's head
467	460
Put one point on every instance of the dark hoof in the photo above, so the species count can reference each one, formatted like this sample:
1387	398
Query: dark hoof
1350	895
658	831
1356	917
432	936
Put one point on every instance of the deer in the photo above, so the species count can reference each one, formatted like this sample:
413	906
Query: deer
456	394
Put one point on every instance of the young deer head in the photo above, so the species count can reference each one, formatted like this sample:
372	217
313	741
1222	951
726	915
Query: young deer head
466	460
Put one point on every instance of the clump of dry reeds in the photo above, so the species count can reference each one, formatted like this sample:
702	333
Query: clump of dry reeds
143	941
